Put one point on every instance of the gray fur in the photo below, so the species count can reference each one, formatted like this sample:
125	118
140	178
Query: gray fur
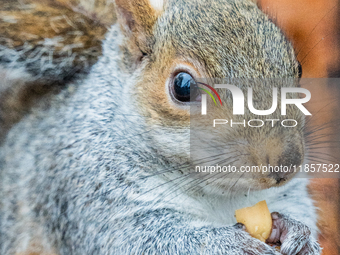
83	175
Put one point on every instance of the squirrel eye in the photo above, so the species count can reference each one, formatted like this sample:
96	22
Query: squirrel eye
183	84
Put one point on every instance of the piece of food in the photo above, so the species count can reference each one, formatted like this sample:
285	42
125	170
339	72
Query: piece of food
257	219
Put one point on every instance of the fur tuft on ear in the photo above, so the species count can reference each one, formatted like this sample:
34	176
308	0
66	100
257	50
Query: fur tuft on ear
137	19
136	16
158	5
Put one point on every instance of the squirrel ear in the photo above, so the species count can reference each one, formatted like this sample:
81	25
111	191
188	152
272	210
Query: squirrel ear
138	17
158	5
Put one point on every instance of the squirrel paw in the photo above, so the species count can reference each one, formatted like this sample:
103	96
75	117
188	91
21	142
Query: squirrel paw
251	245
294	236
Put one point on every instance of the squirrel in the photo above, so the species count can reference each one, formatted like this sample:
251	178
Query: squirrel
101	166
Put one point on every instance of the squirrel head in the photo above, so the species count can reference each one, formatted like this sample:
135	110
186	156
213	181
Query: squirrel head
202	39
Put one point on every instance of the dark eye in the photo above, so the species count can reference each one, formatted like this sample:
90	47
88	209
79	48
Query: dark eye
183	84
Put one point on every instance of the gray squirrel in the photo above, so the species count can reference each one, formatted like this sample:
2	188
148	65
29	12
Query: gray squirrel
101	168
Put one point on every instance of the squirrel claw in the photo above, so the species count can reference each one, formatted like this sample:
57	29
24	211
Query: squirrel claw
240	226
294	236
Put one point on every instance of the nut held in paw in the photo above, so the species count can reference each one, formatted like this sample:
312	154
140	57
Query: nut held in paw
257	220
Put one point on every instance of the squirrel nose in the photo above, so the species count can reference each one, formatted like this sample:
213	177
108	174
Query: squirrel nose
286	164
280	176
